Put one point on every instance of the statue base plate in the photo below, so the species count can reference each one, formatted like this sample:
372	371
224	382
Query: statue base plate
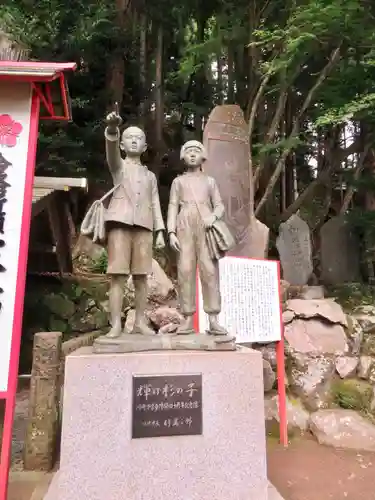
137	343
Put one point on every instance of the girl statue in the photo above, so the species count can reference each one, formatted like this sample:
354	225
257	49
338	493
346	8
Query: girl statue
194	206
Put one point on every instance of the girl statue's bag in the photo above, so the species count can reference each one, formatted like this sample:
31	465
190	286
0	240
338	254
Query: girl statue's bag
93	224
219	239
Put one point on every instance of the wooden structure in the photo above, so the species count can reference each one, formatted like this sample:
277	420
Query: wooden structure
52	227
46	389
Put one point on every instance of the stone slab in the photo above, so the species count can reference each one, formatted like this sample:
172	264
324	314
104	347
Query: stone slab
272	492
160	342
226	138
100	461
295	251
340	259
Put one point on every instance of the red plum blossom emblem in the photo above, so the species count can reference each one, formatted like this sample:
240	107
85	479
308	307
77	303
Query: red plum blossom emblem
9	131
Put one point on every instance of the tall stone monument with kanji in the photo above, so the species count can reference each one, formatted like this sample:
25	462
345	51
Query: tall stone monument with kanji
227	143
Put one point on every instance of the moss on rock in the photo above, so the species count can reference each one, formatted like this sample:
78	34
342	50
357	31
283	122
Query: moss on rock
60	305
352	394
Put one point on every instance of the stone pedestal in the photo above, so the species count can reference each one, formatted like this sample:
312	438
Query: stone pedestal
101	461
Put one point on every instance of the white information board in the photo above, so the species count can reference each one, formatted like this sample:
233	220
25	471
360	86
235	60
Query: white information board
15	109
250	300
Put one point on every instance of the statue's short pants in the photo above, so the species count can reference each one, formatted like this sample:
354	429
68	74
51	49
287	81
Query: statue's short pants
129	250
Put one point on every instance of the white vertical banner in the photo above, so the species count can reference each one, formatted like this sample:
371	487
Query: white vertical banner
250	300
15	112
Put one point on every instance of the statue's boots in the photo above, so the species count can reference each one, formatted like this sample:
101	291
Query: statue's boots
186	327
141	328
214	326
115	331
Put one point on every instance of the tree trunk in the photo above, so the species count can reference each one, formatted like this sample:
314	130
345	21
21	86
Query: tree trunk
159	101
117	64
230	62
143	67
220	96
335	56
357	172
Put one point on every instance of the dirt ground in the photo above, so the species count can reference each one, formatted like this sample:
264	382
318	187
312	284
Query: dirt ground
309	471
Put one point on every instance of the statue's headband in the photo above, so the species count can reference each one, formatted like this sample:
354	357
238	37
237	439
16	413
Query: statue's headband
193	144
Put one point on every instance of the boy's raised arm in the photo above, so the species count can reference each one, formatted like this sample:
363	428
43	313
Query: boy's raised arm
112	141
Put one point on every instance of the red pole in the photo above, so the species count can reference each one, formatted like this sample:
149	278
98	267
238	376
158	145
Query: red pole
280	363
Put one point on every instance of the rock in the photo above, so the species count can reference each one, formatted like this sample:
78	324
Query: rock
365	309
346	366
368	345
100	319
294	291
352	394
297	416
95	319
284	287
163	315
85	246
365	363
324	308
268	353
310	378
288	316
58	325
81	323
169	328
98	287
129	321
312	292
371	374
84	306
59	305
314	336
160	287
354	333
366	317
269	376
343	429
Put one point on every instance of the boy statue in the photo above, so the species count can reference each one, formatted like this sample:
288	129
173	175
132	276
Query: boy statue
194	205
133	214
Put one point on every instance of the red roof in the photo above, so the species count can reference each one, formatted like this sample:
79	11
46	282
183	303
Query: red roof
33	70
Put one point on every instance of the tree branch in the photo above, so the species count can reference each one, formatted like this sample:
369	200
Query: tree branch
357	172
306	194
323	176
335	56
253	112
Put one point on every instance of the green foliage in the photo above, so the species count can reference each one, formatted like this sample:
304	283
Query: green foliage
352	295
291	42
278	147
100	265
353	395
